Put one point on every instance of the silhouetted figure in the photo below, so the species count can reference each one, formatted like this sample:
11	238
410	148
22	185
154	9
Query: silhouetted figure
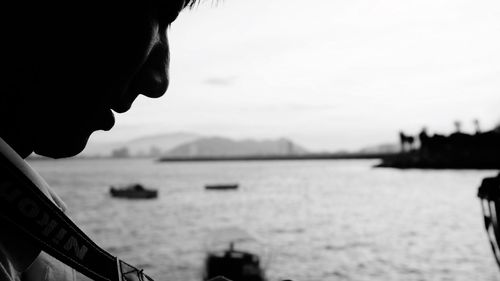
67	65
423	138
406	142
457	150
477	126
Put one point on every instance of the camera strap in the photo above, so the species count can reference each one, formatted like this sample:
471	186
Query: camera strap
489	194
24	205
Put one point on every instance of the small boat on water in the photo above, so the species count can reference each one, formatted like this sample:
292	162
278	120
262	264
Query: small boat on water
235	265
227	186
237	262
134	191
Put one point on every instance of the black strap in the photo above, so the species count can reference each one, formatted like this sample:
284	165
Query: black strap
24	205
491	225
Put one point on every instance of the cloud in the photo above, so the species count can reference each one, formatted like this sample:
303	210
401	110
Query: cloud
220	81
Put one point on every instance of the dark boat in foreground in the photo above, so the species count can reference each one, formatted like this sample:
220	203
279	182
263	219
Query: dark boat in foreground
239	264
230	186
134	191
235	265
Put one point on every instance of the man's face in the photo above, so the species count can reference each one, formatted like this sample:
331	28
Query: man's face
92	60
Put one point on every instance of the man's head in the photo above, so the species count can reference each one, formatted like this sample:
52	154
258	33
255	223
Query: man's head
69	64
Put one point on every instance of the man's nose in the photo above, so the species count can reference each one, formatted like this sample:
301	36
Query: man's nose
153	76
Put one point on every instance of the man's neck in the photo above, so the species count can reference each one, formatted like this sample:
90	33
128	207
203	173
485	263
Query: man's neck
14	126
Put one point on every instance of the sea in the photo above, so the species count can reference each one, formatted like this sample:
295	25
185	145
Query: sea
312	220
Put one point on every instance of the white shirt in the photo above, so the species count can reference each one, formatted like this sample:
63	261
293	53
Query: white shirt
19	256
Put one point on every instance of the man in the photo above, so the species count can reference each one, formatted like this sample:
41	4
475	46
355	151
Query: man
66	67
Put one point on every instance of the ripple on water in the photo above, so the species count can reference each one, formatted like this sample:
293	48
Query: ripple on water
321	220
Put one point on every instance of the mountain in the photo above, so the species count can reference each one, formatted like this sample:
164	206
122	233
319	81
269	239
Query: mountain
161	143
145	146
218	146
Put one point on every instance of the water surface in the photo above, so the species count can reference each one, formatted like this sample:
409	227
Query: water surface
319	220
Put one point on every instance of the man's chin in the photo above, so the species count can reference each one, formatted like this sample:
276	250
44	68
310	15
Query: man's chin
62	147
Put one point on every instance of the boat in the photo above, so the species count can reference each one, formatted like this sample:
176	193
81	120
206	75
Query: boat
232	263
230	186
134	191
235	265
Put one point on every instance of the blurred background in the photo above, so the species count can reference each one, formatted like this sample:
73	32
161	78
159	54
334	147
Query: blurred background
295	103
331	75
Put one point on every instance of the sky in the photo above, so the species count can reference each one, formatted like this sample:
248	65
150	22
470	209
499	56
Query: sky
328	74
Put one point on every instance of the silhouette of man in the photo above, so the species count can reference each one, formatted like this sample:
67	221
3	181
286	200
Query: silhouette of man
66	67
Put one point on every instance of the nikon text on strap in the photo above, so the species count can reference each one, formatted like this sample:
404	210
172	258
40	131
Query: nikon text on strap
24	205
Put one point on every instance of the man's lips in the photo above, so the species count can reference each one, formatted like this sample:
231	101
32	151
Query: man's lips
122	107
107	120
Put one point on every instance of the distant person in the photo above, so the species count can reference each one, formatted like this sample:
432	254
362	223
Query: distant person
423	138
66	66
406	140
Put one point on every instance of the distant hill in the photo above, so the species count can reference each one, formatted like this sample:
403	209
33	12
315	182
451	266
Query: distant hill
218	146
145	146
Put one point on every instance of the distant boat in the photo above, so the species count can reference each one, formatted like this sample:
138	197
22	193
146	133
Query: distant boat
134	191
230	186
